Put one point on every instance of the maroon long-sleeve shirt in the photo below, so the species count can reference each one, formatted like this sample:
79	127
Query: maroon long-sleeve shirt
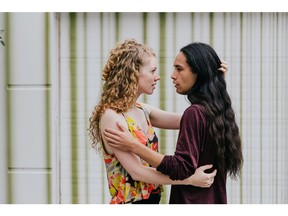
194	148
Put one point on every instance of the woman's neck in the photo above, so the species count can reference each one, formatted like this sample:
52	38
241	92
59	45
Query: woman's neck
133	107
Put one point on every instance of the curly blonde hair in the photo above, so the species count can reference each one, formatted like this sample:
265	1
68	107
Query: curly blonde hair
120	76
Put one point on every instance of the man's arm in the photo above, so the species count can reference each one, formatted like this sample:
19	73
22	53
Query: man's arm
138	172
134	167
179	166
163	119
124	141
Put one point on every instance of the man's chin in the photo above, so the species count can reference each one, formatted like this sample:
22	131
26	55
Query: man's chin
180	92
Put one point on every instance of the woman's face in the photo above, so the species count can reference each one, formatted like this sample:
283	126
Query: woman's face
182	76
148	76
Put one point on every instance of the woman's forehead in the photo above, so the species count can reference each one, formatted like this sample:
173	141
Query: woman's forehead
149	60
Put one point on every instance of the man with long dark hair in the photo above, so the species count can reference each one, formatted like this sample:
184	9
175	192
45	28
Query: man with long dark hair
208	132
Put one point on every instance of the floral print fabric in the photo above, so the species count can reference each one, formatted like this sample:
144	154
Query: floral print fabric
122	187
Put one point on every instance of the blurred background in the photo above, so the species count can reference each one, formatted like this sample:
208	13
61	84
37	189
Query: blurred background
50	80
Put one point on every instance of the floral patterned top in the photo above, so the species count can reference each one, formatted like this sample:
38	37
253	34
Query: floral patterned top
122	187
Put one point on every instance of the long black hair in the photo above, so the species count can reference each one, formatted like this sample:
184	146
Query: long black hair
210	91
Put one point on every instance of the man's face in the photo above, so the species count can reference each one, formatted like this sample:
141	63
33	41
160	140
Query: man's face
182	76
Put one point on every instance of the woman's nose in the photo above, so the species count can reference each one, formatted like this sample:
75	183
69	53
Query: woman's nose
157	78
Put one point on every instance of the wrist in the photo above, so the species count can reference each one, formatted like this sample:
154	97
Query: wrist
190	181
136	146
133	145
186	182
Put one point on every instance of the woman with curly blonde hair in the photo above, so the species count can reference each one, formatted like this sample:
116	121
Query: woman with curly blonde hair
130	71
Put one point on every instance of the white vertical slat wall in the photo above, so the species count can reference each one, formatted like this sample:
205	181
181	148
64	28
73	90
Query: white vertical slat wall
255	47
3	124
50	80
26	114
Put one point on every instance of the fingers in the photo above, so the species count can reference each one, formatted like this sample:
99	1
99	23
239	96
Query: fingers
208	183
224	66
110	141
213	174
210	178
120	126
205	167
223	62
109	136
222	69
110	131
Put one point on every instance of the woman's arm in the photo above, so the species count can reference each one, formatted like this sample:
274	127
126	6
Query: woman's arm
171	120
185	164
123	140
163	119
138	172
134	167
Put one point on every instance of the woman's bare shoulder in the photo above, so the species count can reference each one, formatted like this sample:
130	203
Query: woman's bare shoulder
109	112
110	117
148	107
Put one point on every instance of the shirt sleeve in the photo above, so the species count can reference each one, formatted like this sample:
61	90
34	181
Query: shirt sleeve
184	162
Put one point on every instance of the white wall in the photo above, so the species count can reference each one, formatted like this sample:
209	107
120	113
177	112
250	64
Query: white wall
26	95
50	79
255	47
3	146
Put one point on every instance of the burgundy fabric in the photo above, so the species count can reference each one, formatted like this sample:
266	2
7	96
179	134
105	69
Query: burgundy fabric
194	148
